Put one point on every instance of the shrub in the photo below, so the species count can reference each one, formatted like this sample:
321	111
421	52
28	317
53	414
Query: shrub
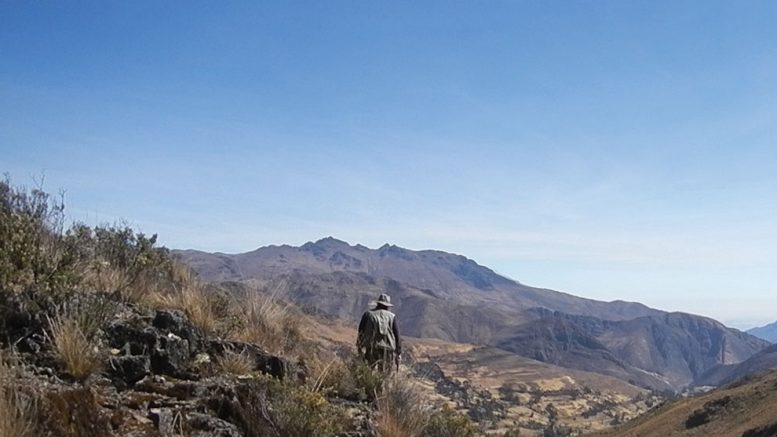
31	254
120	261
38	254
349	378
369	381
270	407
446	422
300	411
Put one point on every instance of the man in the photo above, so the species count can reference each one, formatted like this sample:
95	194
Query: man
378	340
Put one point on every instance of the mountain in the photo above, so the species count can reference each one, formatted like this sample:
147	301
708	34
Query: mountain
672	348
727	373
450	297
436	274
768	332
747	409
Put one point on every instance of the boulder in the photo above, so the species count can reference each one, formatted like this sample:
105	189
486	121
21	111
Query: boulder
128	369
164	420
132	336
176	322
171	356
206	425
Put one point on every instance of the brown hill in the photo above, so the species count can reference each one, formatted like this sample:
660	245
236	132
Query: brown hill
748	409
450	297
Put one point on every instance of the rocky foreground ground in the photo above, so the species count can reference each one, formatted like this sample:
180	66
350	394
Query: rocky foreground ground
162	376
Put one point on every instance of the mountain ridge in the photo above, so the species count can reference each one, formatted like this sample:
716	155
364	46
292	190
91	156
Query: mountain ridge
766	332
453	298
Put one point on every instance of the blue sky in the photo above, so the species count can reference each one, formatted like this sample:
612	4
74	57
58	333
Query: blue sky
614	150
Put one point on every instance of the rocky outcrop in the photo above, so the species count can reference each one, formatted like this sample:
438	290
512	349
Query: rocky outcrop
159	376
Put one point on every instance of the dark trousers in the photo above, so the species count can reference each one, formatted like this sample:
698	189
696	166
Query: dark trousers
380	359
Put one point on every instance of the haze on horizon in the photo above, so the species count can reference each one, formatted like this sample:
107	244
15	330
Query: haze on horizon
613	150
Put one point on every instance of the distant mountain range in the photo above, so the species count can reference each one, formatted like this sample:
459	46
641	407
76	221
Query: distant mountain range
450	297
768	332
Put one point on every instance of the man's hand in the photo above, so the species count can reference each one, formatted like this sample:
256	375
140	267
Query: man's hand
397	359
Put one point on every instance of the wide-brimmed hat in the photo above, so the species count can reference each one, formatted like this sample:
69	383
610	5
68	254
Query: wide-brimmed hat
385	300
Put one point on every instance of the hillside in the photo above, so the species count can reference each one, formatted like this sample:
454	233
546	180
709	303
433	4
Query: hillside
102	333
433	273
728	373
450	297
748	409
767	332
674	347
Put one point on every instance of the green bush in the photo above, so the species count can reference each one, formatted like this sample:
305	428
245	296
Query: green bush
37	253
32	256
446	422
355	380
269	407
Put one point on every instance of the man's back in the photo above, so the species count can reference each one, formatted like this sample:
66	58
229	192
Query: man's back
376	330
378	340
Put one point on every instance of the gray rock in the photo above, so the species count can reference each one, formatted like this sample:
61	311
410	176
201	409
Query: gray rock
176	322
133	336
205	425
164	420
129	369
171	356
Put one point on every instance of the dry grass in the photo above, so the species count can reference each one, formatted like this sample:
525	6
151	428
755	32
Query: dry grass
101	276
402	410
325	373
76	351
234	363
17	412
188	295
270	323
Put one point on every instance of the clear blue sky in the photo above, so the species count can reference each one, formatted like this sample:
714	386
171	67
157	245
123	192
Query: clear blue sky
615	150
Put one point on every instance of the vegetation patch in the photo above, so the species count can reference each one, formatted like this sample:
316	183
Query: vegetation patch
707	412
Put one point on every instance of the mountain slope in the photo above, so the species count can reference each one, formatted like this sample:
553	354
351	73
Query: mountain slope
445	275
768	332
748	409
450	297
655	351
725	374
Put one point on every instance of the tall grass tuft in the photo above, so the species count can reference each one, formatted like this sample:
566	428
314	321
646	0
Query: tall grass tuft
189	295
270	323
76	351
402	411
235	363
18	412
